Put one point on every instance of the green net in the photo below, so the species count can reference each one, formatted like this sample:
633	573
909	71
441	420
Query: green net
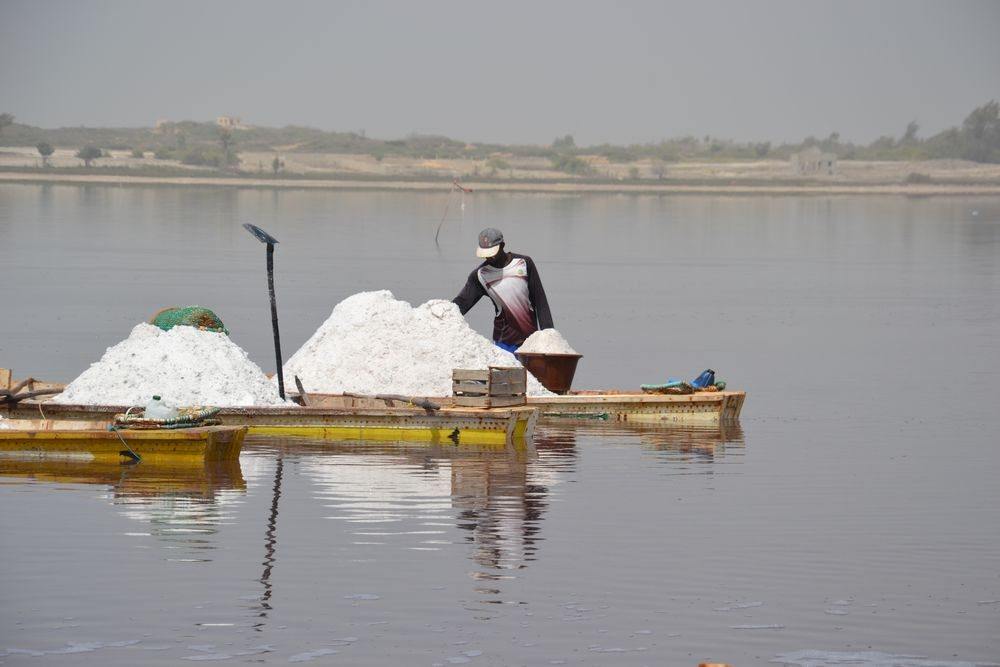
190	316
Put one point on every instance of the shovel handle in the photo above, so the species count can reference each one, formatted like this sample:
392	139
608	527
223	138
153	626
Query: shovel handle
412	400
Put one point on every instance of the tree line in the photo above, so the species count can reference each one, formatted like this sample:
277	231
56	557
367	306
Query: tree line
206	144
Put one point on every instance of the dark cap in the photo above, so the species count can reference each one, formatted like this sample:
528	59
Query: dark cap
489	242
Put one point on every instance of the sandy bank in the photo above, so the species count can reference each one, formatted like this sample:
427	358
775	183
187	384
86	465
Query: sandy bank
909	189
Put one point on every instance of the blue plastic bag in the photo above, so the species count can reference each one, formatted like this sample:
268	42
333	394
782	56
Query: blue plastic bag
706	379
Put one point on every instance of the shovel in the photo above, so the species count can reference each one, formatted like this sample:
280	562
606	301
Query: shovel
270	241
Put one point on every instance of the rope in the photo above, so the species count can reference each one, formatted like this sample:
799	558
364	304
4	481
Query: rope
188	418
135	457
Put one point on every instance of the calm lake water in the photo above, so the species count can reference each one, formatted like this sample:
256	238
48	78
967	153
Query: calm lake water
853	516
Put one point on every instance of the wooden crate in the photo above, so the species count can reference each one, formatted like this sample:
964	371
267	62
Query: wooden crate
495	387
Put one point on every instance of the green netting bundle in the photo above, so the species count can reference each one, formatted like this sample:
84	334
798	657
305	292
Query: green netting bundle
189	316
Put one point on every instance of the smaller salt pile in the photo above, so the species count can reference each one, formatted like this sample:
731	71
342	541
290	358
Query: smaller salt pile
373	343
184	365
3	423
547	341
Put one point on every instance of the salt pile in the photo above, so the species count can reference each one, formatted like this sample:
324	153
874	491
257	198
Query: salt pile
547	341
3	422
184	365
373	343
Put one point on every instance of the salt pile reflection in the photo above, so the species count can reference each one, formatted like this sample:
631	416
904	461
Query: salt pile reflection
412	498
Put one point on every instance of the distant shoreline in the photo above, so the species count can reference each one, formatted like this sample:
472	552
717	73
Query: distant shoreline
560	187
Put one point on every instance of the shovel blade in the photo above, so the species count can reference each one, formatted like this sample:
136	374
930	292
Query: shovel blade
261	235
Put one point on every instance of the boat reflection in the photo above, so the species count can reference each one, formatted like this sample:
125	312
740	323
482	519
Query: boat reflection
708	444
181	505
671	444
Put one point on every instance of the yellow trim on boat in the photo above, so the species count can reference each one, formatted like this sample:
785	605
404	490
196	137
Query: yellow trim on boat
458	426
462	436
194	445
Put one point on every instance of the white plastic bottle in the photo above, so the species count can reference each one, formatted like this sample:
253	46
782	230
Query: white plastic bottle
157	408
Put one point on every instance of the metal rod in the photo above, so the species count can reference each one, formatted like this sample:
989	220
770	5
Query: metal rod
274	319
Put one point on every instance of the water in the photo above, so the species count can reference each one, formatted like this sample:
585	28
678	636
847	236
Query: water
850	519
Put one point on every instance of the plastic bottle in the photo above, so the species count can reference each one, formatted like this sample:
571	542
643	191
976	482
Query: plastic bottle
158	409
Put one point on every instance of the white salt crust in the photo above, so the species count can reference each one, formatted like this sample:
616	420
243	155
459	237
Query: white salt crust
185	366
373	343
547	341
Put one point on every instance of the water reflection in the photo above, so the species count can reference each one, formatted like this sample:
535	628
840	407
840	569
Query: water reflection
402	496
694	444
500	508
501	501
673	444
180	505
270	544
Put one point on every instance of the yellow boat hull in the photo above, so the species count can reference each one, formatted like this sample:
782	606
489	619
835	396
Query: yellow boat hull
459	426
92	441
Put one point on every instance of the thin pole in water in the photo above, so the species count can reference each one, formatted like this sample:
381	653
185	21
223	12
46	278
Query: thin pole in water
455	185
270	241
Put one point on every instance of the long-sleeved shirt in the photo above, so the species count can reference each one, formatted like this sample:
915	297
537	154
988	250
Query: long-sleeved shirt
517	294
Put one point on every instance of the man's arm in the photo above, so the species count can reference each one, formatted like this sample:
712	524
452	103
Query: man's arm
470	294
538	299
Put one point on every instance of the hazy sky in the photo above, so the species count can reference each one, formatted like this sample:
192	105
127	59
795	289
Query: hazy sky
507	71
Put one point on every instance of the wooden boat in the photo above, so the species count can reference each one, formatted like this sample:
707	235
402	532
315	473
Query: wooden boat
91	440
703	408
718	407
339	417
327	417
459	426
345	418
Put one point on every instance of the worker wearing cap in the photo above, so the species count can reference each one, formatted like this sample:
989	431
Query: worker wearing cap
511	281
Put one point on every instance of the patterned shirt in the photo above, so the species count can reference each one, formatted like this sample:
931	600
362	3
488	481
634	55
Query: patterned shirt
517	296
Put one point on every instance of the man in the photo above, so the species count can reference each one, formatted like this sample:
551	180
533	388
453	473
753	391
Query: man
511	281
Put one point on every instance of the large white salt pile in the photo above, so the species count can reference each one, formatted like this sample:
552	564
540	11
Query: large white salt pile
373	343
3	422
547	341
185	366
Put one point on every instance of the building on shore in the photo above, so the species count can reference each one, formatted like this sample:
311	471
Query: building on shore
813	161
231	123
